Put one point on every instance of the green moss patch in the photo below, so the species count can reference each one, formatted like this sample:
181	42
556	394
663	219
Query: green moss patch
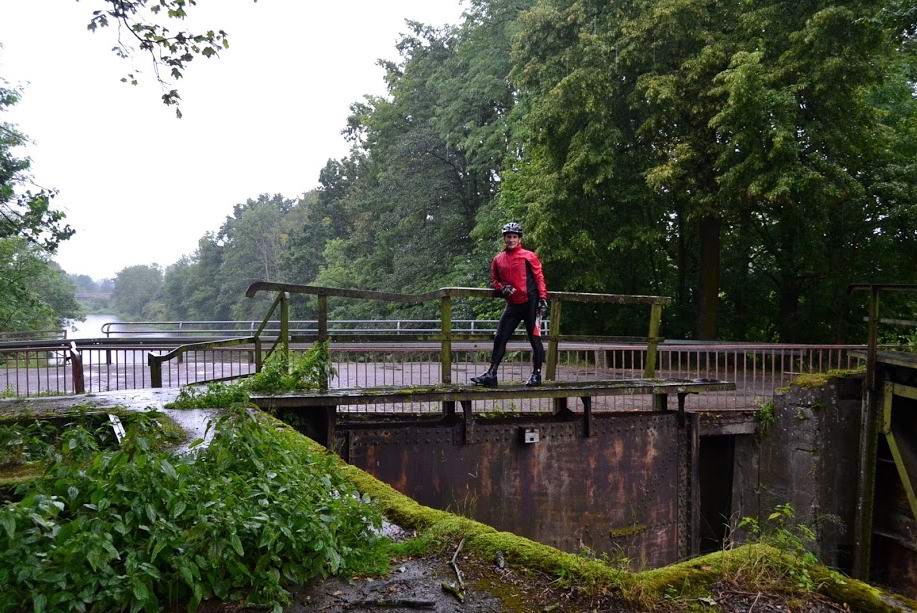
810	380
631	530
20	473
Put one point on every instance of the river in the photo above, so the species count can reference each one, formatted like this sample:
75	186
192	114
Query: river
92	327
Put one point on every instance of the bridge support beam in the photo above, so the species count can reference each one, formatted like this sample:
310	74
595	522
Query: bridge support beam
469	422
587	416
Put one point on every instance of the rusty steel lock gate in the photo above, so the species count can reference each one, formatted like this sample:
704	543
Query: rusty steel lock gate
625	489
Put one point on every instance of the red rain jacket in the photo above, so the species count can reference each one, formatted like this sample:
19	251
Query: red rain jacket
511	267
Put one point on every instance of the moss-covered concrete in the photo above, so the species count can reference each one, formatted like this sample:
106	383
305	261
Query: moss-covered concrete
20	473
645	589
819	379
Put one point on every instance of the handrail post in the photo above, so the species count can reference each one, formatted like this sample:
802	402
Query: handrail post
653	341
76	366
323	337
258	359
445	324
872	341
155	370
285	326
550	373
322	318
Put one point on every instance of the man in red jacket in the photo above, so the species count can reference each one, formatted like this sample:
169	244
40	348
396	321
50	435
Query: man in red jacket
515	274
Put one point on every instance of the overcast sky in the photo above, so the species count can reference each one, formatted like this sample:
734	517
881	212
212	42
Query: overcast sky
141	186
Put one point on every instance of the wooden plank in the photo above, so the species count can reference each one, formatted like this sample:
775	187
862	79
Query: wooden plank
451	292
314	290
550	372
267	317
285	325
653	342
445	350
900	453
866	482
459	393
322	318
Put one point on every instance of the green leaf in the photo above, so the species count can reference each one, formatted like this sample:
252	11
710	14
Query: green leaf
39	602
9	524
169	470
236	544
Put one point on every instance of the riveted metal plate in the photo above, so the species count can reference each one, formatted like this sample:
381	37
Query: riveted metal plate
567	490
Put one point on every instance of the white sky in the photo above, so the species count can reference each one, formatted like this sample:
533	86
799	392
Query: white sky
141	186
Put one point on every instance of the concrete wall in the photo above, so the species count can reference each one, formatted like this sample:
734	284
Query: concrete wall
807	457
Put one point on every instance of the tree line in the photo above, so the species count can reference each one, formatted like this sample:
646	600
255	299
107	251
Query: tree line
749	159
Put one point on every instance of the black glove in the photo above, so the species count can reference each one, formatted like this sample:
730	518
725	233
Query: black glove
542	307
507	290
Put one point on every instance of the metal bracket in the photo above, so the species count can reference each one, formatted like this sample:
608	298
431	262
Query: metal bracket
587	415
681	408
469	422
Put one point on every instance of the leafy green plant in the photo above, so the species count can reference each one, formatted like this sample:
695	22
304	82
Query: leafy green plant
39	440
303	371
782	532
300	371
215	395
136	528
23	443
7	392
766	417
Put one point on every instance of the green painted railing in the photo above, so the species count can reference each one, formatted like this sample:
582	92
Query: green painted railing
445	296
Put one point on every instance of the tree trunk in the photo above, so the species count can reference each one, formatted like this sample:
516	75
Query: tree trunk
708	277
788	309
681	295
741	299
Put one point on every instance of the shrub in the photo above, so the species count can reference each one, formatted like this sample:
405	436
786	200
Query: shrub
136	528
301	371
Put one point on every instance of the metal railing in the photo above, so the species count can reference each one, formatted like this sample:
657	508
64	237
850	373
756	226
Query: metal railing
42	368
34	335
29	369
300	326
445	354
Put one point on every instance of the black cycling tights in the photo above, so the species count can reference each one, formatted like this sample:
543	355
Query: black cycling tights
512	315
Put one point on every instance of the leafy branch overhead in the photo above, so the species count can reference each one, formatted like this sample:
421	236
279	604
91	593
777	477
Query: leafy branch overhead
141	24
25	213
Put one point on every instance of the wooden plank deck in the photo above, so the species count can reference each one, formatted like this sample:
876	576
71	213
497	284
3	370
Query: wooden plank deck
459	393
